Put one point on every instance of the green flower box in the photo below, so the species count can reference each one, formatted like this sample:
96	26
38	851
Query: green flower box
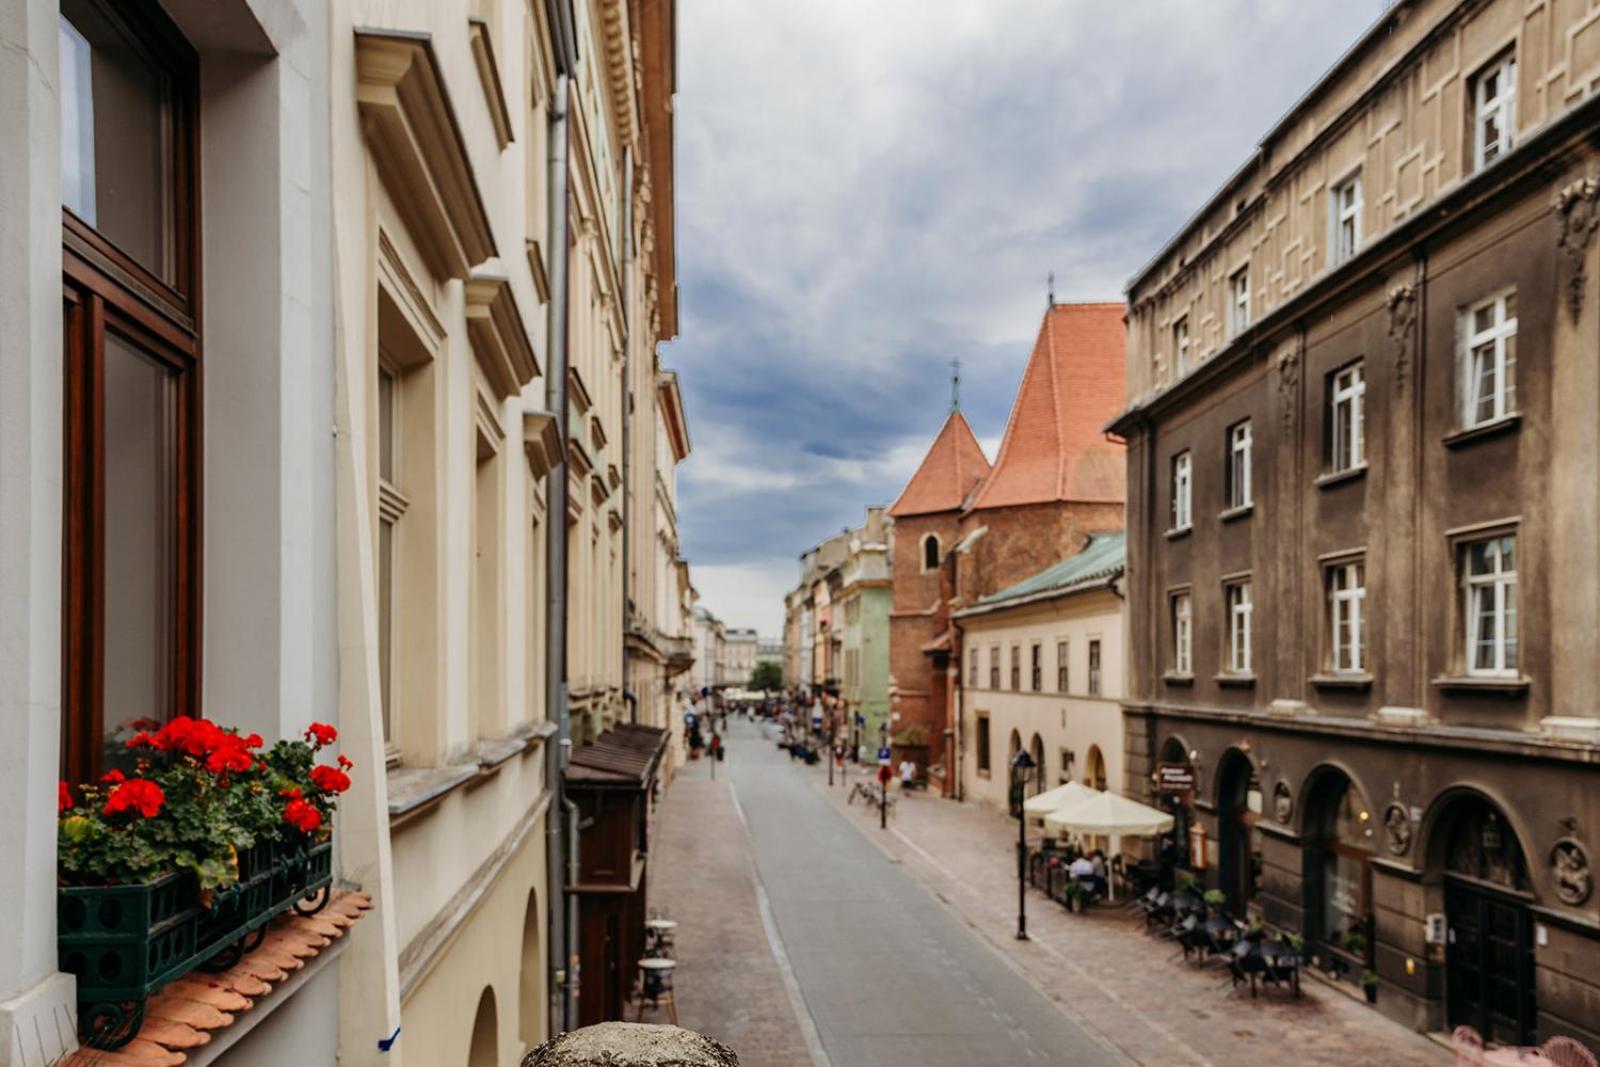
124	942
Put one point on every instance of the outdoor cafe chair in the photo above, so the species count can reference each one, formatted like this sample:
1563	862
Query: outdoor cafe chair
1567	1052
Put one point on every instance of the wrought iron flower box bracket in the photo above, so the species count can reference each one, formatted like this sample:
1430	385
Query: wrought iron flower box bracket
125	942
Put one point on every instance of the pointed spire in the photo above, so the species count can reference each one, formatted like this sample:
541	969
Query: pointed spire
1050	290
955	384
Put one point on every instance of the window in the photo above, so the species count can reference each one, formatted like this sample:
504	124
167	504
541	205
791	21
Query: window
1239	617
1239	302
930	553
1182	634
972	669
1489	360
1181	479
1016	668
1062	673
994	667
1180	344
130	363
1494	111
983	744
1347	403
1239	446
392	504
1347	591
1344	206
1491	607
1036	667
1094	666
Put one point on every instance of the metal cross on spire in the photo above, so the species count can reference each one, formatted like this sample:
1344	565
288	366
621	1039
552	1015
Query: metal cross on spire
955	385
1050	290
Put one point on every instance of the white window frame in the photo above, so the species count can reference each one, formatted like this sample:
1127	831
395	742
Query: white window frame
1063	665
1500	109
392	507
1344	218
1181	344
1348	388
1182	490
1182	633
1240	457
1347	594
1492	595
1095	670
1493	349
1241	610
973	669
1239	302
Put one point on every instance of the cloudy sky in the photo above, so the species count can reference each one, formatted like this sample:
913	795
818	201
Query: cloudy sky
868	189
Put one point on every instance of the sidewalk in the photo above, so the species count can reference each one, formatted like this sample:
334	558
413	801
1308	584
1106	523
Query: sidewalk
1108	974
728	984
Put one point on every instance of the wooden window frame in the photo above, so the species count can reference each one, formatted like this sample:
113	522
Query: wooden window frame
1502	107
104	290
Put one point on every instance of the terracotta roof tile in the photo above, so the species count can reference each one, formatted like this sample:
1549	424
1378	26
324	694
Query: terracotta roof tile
183	1015
954	464
1054	448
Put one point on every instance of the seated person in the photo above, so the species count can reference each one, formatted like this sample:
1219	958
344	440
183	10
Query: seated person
1081	870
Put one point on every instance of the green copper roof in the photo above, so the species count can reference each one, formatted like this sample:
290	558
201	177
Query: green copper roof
1100	559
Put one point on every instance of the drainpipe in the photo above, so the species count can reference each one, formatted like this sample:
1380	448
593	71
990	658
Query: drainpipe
627	416
561	832
959	783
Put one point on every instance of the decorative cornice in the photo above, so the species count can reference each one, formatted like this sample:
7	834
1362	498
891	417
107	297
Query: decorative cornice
499	339
415	141
541	440
619	69
482	42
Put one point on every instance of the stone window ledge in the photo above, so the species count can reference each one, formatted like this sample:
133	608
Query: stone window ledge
1353	680
1234	514
1178	532
1511	685
1482	431
1332	478
1177	678
1241	680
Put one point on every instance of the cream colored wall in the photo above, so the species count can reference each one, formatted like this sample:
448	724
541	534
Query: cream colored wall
1075	721
1409	137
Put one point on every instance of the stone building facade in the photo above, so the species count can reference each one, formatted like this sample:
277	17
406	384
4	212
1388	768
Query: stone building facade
1362	442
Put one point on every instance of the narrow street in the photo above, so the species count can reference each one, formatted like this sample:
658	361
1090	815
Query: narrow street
883	972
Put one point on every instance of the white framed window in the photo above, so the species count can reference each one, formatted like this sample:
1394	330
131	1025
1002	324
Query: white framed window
1240	611
994	667
1036	667
1239	302
1494	111
1489	360
1347	594
1063	664
972	669
1239	454
1347	397
1094	666
1180	344
1016	668
1182	491
1344	212
1182	634
1491	605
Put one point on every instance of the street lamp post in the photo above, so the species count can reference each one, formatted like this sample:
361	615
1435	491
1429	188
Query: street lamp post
883	778
1022	767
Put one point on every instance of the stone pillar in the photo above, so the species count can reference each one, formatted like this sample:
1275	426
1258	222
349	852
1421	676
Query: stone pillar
1398	549
1286	686
35	1000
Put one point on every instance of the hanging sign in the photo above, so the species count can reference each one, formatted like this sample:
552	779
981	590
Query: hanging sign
1174	778
884	756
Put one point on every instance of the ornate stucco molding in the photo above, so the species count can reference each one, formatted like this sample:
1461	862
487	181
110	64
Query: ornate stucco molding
1289	386
1576	205
1402	306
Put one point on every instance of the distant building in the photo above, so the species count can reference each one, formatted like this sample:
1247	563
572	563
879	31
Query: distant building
739	650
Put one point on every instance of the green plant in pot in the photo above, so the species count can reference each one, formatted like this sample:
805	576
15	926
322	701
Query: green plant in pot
1216	899
1077	896
1369	985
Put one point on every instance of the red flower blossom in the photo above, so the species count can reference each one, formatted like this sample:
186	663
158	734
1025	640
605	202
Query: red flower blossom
344	762
230	755
143	740
329	779
191	737
63	797
112	777
302	815
253	741
293	793
322	734
139	795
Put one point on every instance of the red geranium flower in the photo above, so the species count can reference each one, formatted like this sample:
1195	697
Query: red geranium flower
322	734
302	815
293	793
344	761
329	779
139	795
143	739
63	797
112	777
253	741
230	755
192	737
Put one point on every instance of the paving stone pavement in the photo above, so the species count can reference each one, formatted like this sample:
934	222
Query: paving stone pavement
727	983
1155	1008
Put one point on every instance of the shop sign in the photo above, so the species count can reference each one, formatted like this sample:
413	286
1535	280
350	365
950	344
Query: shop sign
1172	778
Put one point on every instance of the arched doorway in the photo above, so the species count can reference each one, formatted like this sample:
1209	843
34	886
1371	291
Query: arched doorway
1174	846
1338	874
484	1051
1094	769
1489	946
530	985
1238	808
1036	750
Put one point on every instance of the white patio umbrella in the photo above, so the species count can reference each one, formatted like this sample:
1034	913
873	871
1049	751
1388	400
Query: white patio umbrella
1060	797
1108	813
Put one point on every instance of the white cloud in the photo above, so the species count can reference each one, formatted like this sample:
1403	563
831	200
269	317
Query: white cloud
746	594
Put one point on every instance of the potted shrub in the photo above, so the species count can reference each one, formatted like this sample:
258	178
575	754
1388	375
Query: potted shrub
184	861
1077	896
1216	899
1369	986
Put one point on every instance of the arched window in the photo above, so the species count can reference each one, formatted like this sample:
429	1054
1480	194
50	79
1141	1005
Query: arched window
1340	833
530	992
1094	769
1036	750
930	552
485	1051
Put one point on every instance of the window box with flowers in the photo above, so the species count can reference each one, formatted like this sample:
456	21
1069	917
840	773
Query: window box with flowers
182	864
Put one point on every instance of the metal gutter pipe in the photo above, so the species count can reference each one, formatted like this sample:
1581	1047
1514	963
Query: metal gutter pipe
627	414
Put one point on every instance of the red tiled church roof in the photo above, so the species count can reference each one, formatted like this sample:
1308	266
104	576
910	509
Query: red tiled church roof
954	464
1054	448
